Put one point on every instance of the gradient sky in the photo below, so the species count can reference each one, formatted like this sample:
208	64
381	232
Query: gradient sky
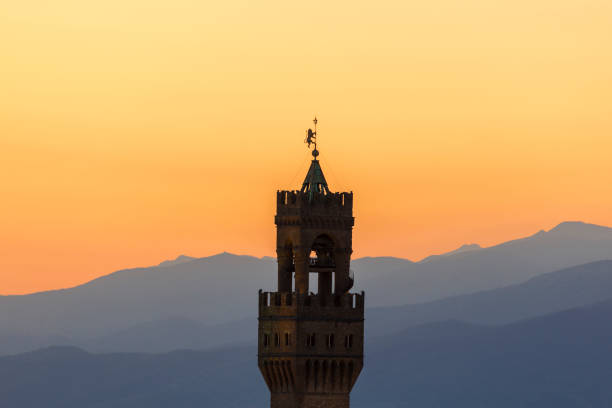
132	131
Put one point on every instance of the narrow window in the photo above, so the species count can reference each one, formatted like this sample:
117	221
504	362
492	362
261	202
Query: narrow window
266	340
348	341
287	342
276	339
330	341
310	340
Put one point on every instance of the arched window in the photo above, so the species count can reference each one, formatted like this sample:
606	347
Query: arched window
322	252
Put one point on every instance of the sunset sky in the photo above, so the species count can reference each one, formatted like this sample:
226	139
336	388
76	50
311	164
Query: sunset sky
133	131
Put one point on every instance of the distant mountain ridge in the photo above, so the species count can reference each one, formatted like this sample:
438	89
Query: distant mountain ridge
560	360
461	249
548	293
568	244
544	294
177	261
196	295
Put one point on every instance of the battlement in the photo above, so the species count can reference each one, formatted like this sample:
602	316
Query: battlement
349	306
296	203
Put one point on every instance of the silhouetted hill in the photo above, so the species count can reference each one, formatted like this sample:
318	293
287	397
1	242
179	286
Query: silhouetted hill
214	290
544	294
548	293
461	249
223	288
563	360
67	377
175	334
568	244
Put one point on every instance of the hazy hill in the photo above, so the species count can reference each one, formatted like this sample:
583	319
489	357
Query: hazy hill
563	360
196	294
460	250
173	334
67	377
548	293
216	289
568	244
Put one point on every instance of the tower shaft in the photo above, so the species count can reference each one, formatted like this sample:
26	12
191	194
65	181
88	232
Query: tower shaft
311	340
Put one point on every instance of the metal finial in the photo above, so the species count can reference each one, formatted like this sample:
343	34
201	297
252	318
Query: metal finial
311	138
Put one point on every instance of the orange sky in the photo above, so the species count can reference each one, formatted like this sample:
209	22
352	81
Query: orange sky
132	131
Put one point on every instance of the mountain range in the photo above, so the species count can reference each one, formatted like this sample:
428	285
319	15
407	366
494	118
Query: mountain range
548	293
468	271
533	332
200	303
561	360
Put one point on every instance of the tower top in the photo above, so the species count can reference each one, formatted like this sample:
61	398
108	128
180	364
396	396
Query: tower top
315	180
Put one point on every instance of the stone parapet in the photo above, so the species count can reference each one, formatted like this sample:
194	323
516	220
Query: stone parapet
346	307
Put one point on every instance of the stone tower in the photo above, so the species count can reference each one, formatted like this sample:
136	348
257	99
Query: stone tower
311	344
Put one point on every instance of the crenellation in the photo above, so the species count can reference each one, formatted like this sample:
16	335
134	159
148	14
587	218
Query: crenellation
297	203
349	305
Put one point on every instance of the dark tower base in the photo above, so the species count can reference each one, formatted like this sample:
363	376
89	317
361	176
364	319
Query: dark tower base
310	348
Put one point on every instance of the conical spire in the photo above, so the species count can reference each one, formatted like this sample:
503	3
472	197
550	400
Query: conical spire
315	180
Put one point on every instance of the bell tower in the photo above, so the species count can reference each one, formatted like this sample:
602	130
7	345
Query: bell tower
310	349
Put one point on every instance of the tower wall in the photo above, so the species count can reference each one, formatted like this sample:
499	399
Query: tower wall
300	220
310	345
302	365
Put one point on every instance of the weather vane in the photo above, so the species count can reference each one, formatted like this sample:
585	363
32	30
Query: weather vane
311	138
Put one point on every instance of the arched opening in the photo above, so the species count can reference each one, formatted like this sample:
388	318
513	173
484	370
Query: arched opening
322	252
321	261
286	267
